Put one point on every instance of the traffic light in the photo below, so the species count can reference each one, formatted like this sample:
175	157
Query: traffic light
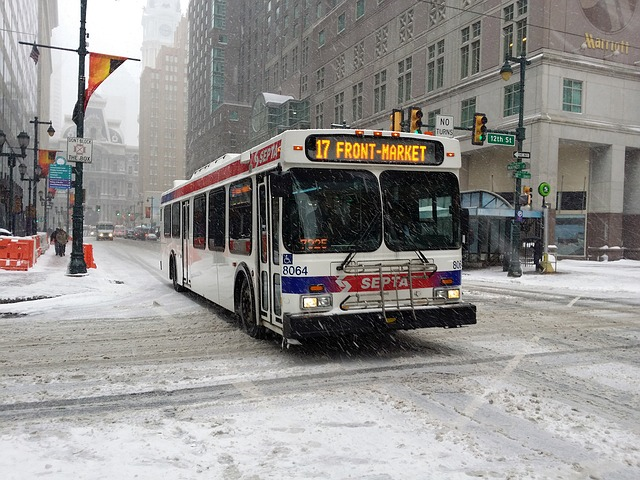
415	114
117	213
396	120
525	198
97	208
479	129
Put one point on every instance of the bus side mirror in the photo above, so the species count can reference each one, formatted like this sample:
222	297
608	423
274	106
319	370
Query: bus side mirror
280	184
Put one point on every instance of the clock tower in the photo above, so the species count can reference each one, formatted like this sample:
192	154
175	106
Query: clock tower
159	21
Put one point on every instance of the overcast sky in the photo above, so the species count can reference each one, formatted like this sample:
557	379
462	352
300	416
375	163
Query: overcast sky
114	27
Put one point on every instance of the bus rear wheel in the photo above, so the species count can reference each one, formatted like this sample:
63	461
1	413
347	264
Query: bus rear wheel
247	311
174	276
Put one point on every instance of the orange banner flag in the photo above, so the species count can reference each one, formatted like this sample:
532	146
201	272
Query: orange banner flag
100	67
46	158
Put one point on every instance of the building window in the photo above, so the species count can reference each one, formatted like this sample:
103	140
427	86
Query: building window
572	96
319	79
470	50
356	101
359	8
338	109
467	111
305	51
435	66
380	91
404	80
431	117
514	29
321	38
342	22
319	115
304	84
511	99
219	11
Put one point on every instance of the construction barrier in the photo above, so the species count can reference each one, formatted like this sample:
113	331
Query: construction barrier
17	253
88	255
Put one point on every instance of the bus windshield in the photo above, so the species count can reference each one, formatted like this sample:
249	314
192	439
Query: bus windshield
421	210
332	211
340	211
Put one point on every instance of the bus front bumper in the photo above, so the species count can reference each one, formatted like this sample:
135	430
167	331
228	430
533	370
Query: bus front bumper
301	326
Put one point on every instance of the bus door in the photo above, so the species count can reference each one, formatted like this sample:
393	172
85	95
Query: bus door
185	243
269	283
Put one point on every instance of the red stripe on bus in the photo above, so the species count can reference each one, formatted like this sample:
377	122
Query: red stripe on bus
231	170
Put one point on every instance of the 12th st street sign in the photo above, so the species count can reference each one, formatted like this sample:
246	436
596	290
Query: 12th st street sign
501	139
79	149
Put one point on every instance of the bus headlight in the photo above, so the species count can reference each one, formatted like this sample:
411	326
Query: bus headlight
316	302
447	294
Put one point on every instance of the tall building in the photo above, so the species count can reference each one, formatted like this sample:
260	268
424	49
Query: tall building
160	19
24	92
355	61
163	120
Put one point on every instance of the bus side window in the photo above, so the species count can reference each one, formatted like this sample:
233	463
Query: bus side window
199	224
216	219
240	217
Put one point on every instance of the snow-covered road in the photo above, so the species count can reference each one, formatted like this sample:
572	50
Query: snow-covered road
115	375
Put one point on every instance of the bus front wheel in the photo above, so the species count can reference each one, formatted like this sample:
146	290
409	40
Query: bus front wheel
247	311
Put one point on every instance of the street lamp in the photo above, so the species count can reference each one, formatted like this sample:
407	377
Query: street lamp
151	213
47	203
23	143
31	209
515	270
51	132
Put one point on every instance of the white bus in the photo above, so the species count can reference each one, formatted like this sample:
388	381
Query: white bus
323	232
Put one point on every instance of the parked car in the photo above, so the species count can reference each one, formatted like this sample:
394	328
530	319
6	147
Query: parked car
5	233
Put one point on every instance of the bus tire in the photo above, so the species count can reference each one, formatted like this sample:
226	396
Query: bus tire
173	273
247	311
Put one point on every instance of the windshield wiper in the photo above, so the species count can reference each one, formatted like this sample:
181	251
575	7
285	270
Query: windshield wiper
346	261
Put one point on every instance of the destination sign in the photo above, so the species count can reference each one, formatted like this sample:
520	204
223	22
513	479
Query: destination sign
349	148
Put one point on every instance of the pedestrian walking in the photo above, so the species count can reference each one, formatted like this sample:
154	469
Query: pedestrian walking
52	239
61	241
537	255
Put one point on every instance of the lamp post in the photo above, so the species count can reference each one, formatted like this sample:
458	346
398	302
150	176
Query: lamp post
51	132
23	143
31	209
47	203
77	265
151	213
515	269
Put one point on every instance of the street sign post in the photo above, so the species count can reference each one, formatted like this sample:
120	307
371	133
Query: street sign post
501	139
544	189
444	125
522	174
518	166
79	149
